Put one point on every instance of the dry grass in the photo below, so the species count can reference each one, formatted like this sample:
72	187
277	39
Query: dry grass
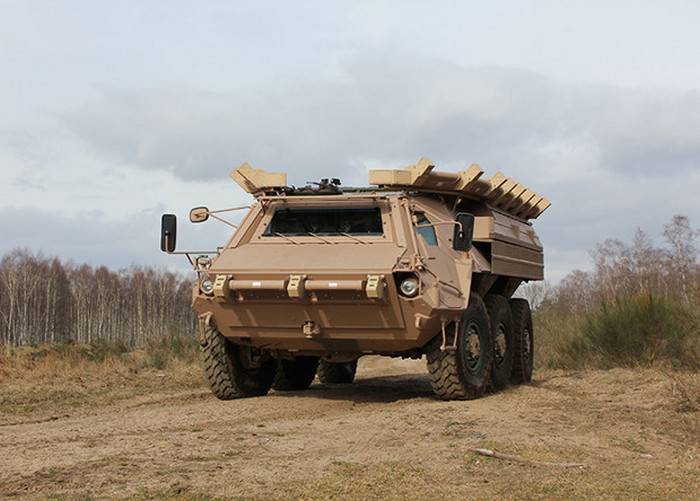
685	389
639	331
114	428
64	377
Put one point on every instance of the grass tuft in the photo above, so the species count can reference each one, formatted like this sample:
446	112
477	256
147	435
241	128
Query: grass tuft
640	331
637	331
69	375
160	353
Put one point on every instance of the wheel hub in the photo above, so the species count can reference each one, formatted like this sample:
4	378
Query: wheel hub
500	344
473	346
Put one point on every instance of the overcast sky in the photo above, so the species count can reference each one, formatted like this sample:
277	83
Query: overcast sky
114	112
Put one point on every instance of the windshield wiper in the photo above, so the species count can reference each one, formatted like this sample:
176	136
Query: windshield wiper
319	237
278	234
354	238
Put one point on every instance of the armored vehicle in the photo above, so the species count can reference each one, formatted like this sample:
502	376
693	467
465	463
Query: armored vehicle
419	263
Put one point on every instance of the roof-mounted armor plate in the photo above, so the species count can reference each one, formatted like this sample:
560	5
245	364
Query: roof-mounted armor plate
256	181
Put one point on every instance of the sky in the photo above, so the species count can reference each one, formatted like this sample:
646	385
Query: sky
115	112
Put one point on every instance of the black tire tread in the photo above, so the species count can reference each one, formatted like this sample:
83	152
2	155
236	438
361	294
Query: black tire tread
295	375
495	305
522	317
336	373
217	368
225	374
444	372
444	376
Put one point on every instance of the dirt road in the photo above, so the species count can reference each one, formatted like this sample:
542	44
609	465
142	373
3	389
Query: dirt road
385	437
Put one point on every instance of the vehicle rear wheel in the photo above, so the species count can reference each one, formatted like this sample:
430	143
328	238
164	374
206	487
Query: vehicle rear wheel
337	373
501	320
235	371
466	372
523	356
296	374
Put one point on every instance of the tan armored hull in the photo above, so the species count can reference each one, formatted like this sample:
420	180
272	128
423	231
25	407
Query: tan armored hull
415	263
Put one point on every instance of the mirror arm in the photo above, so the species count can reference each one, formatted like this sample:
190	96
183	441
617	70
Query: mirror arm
189	258
184	253
243	207
212	213
223	221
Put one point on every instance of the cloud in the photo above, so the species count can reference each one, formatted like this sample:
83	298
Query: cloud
391	112
610	158
395	111
89	238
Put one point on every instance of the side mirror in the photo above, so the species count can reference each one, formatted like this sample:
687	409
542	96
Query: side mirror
464	232
199	215
168	232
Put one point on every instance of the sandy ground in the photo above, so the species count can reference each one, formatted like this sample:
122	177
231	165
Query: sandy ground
384	437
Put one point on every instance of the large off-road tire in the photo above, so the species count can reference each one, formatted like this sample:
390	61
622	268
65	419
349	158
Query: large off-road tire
296	374
501	320
228	370
523	339
337	373
466	372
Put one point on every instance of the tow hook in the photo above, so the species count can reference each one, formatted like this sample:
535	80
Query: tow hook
311	329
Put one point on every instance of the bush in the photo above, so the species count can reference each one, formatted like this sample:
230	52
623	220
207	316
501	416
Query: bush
159	353
638	305
641	330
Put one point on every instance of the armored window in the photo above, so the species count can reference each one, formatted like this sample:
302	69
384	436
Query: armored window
427	232
326	222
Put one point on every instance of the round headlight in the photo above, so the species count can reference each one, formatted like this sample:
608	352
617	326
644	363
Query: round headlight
409	287
207	287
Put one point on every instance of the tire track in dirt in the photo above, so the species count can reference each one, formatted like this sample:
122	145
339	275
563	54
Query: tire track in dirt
386	424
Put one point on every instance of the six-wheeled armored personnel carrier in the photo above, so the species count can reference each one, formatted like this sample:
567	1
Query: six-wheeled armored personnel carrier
419	263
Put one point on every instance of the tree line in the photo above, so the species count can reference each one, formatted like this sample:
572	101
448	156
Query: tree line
639	304
45	300
621	270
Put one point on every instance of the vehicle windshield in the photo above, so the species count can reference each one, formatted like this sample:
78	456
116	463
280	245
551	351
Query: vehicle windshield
326	222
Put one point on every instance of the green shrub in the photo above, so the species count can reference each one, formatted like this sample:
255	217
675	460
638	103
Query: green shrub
102	350
159	353
641	330
154	360
555	331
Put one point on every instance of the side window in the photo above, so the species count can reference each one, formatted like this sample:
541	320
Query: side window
427	232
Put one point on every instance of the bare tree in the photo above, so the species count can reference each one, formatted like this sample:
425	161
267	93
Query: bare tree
43	300
683	254
622	270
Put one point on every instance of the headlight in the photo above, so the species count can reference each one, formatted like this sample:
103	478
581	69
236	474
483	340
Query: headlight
207	287
409	287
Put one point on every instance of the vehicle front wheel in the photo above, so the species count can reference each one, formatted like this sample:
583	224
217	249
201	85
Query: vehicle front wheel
463	373
337	373
296	374
235	371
